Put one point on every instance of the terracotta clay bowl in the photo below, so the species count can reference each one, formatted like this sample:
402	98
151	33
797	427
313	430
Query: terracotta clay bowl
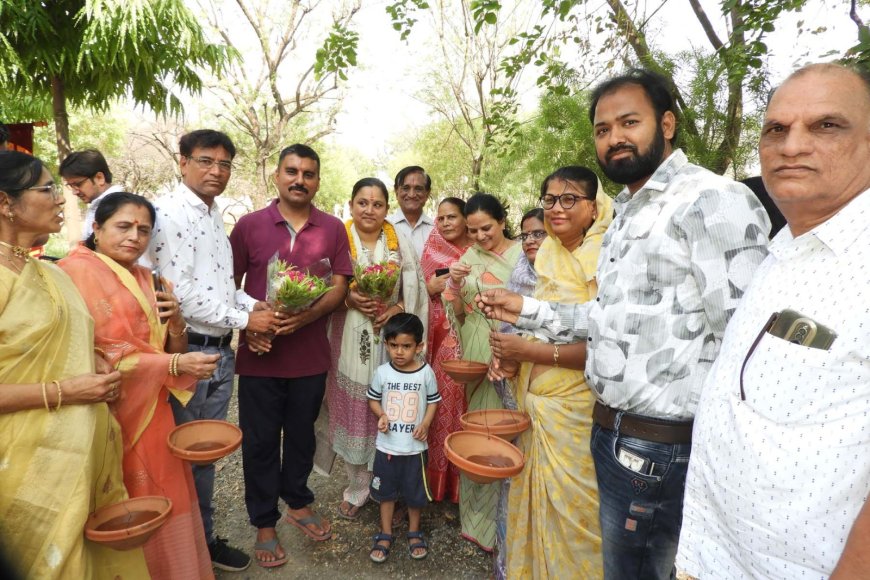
505	423
464	371
204	442
128	524
483	458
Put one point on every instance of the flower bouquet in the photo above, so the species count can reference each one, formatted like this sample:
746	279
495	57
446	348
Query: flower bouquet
378	281
291	290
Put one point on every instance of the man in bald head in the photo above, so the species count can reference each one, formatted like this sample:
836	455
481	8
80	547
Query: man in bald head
780	466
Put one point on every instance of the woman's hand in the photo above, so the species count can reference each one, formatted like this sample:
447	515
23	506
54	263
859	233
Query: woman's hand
91	388
198	364
458	273
437	284
169	309
365	305
508	346
382	319
502	369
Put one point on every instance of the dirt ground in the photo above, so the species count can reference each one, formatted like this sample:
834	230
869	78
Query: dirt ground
346	554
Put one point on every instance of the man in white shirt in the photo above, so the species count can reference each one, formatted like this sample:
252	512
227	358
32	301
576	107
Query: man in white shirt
191	249
780	470
86	173
413	186
673	266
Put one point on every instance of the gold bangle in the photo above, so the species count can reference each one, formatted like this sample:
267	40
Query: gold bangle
102	352
177	334
401	307
346	305
45	398
175	365
59	395
555	355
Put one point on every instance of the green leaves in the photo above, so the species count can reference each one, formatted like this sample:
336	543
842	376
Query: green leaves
338	52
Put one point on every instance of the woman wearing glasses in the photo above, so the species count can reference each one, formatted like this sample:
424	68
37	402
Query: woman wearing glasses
552	527
61	450
487	264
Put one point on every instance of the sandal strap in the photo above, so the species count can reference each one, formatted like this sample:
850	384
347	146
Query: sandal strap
417	536
379	537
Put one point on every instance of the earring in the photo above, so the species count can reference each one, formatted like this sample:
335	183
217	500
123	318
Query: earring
96	241
11	216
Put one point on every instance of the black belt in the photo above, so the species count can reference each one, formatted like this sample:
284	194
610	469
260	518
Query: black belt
196	339
648	428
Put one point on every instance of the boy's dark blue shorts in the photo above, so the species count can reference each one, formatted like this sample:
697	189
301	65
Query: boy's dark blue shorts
401	476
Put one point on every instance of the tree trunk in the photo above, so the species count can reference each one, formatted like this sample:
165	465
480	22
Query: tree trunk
476	170
72	213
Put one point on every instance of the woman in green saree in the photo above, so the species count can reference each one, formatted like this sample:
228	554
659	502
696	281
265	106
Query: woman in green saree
487	264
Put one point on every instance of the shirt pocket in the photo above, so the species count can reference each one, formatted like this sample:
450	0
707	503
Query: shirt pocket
790	383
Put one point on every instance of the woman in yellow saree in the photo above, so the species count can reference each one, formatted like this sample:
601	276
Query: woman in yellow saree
552	525
60	448
121	298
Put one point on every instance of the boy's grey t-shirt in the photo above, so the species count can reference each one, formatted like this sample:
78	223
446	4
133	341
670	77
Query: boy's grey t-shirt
403	396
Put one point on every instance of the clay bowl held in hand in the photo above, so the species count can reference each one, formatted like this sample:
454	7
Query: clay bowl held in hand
483	458
204	442
128	524
464	371
505	423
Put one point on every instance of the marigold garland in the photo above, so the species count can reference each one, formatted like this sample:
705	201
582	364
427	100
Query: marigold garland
388	230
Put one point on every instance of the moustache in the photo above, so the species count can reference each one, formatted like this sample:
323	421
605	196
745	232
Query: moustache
301	188
617	148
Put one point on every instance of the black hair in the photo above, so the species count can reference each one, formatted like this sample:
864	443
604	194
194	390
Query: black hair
491	206
300	150
577	174
85	163
4	133
205	139
406	171
404	323
535	212
18	172
370	182
110	205
656	87
459	203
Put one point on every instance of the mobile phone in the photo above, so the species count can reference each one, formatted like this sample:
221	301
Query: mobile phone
633	461
441	271
794	327
158	287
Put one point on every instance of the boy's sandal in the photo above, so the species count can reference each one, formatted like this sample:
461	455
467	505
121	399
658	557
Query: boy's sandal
417	545
379	553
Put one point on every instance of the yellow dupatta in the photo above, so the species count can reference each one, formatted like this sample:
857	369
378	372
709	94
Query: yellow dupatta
55	468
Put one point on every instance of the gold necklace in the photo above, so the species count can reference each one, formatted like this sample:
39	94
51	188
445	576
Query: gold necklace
17	252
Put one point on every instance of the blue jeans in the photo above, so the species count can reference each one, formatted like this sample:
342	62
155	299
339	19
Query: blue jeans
210	401
640	514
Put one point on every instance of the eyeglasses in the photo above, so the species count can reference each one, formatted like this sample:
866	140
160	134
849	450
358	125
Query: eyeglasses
77	184
208	163
566	200
53	189
536	235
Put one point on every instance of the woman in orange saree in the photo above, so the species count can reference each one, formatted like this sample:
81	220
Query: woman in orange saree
121	298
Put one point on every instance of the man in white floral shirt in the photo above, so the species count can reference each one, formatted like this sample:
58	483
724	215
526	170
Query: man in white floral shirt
673	266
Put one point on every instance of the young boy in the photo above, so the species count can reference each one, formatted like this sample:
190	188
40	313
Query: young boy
407	389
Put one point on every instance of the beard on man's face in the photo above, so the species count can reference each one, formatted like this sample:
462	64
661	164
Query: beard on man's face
632	169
